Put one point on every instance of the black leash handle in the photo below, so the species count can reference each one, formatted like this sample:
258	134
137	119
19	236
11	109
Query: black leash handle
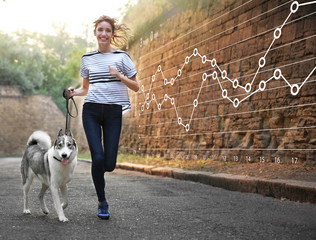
66	95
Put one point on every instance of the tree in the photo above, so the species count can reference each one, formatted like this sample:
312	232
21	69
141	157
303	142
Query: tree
40	63
20	63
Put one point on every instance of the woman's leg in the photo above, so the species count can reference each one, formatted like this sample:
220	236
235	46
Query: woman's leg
92	121
111	135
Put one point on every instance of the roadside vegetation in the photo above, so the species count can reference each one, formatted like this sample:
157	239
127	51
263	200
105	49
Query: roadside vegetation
255	169
41	64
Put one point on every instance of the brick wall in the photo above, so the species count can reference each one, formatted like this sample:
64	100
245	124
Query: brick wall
270	125
20	115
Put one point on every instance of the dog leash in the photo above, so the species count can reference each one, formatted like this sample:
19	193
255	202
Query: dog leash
68	114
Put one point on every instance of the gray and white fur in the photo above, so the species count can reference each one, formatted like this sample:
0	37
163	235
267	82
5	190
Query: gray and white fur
52	165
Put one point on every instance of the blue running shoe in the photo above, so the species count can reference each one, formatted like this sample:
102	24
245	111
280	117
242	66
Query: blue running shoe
103	211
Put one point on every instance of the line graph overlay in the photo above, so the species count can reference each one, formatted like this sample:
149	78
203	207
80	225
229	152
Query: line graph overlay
213	84
294	88
164	93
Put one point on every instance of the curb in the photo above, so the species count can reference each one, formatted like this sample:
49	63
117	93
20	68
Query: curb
282	189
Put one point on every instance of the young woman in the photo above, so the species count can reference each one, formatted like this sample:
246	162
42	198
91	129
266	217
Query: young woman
107	73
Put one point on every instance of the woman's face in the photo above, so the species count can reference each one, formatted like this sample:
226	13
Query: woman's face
104	33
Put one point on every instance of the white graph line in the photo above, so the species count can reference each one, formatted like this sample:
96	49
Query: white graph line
233	114
226	132
239	95
294	88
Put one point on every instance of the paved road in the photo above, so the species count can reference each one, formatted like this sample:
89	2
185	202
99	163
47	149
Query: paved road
148	207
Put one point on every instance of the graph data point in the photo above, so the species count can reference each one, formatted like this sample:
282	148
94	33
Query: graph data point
204	59
195	102
224	93
224	74
248	87
294	7
195	51
213	62
204	77
236	102
187	60
262	85
262	62
214	75
235	83
277	33
277	74
295	89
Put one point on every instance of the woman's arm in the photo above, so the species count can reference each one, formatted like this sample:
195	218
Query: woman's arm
131	83
83	91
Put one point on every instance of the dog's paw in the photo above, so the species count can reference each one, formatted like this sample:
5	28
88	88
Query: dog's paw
63	219
45	211
26	211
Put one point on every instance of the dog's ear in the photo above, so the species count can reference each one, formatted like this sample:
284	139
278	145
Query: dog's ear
60	133
68	133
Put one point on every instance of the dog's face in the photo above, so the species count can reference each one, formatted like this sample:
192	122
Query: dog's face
65	147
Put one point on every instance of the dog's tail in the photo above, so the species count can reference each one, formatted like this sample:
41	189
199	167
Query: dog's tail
41	138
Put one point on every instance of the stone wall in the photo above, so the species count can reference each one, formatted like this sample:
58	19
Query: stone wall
20	115
268	123
219	119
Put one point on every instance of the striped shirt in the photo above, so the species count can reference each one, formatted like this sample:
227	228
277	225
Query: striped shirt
105	88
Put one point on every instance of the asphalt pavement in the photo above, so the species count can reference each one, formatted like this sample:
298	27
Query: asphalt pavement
150	207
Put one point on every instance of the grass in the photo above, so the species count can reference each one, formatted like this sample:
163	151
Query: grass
267	170
198	164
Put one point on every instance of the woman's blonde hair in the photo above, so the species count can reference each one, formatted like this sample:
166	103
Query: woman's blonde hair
120	31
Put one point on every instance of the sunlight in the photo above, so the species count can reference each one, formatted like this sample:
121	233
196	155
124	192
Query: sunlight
39	16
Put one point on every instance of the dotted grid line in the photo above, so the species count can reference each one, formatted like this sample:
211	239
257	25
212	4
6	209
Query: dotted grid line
295	88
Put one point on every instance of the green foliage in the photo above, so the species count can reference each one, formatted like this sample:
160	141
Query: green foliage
147	15
20	64
40	63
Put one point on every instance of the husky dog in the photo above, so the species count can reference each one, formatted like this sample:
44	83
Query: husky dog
52	165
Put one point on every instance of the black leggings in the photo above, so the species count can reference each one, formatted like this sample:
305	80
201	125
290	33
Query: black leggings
101	119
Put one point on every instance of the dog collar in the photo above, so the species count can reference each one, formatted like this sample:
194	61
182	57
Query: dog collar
56	159
63	161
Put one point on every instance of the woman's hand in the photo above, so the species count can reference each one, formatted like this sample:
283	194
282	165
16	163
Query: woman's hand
71	92
131	83
114	72
82	91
